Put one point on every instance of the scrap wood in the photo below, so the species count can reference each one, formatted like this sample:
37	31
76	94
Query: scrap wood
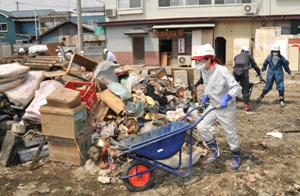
86	62
292	131
36	156
97	114
112	101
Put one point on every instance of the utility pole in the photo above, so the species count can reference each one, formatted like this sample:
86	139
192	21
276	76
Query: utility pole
79	25
35	24
17	5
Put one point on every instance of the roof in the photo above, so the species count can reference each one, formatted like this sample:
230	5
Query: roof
6	13
62	24
31	13
91	9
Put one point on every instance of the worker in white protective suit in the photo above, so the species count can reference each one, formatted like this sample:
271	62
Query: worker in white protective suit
220	89
110	56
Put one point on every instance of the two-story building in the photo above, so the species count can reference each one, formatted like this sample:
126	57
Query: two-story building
20	26
142	31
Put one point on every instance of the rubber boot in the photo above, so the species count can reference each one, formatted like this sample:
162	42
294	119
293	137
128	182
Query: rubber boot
247	107
258	100
236	159
282	104
215	153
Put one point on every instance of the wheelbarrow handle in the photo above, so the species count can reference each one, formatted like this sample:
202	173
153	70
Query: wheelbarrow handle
203	116
189	113
196	108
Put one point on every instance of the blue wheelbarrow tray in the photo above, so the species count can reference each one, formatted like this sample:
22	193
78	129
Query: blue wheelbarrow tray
157	144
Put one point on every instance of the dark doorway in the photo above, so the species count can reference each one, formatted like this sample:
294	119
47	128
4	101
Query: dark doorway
165	50
220	48
138	45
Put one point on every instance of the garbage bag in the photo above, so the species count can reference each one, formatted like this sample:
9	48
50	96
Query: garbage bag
120	90
106	71
46	88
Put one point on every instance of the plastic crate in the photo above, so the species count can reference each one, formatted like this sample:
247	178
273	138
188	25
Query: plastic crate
87	92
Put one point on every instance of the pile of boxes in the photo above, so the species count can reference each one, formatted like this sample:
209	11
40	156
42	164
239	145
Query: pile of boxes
64	122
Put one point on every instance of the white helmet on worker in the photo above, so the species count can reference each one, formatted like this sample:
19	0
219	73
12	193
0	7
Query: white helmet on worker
203	52
105	50
245	48
275	47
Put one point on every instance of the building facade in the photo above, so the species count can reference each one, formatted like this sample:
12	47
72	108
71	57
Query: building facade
147	32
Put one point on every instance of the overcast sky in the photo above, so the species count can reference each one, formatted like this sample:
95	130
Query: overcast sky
60	5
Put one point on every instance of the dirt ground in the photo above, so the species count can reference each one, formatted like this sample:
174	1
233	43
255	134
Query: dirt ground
270	166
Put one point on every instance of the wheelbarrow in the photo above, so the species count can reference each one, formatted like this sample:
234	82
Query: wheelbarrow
149	148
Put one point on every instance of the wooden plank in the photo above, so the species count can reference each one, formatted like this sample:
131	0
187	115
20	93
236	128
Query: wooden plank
112	101
52	48
86	62
52	74
41	61
8	152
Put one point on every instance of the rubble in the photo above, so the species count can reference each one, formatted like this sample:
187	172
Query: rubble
85	108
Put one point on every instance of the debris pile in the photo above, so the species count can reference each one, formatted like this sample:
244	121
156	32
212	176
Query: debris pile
84	109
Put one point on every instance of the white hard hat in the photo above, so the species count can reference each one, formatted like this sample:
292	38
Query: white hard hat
275	47
105	50
204	51
245	48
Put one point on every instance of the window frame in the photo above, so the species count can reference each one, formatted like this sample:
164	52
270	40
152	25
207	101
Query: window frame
212	4
135	8
1	27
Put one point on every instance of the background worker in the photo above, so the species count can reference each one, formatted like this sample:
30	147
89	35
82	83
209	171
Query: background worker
110	56
220	88
242	63
275	63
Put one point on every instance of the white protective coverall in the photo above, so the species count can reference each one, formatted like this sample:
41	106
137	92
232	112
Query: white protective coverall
218	81
111	57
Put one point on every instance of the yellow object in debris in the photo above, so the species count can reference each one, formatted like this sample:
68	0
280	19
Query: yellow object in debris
150	101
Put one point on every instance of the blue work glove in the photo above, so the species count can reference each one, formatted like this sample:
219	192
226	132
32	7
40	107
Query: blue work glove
225	100
204	100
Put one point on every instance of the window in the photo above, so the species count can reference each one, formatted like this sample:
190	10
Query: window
234	1
127	4
3	27
170	3
197	2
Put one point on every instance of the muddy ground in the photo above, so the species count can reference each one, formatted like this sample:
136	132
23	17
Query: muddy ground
270	166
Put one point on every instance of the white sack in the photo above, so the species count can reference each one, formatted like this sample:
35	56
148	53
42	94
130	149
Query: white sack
24	93
11	85
46	88
12	69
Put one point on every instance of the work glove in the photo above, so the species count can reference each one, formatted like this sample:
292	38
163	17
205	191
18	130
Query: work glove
225	100
204	100
292	76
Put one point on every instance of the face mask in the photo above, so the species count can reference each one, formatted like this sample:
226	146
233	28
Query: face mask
200	65
275	54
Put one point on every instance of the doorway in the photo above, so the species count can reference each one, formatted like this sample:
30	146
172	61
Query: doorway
220	48
165	51
138	45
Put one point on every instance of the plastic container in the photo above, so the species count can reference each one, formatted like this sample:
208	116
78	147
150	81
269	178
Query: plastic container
87	92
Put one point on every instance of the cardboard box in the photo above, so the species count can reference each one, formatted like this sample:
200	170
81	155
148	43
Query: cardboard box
64	98
63	122
71	151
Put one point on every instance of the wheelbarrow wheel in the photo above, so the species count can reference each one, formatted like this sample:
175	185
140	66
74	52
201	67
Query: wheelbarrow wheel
140	182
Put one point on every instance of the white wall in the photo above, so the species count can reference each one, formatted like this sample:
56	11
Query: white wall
151	10
118	41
